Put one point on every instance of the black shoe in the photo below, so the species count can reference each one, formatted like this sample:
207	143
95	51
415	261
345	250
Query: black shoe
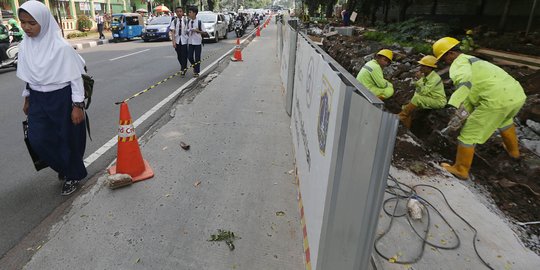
69	187
195	75
183	73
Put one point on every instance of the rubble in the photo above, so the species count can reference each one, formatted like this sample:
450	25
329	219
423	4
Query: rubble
491	164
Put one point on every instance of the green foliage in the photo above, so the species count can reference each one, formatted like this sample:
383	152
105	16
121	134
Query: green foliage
226	236
84	23
414	33
390	39
76	35
416	29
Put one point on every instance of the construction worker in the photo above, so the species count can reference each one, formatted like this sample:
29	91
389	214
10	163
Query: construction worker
429	90
15	30
486	98
467	44
371	75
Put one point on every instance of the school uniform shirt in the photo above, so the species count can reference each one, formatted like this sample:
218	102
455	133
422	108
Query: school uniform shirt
77	89
99	19
180	37
194	37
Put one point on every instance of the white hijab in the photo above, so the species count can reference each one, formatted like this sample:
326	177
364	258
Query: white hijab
47	58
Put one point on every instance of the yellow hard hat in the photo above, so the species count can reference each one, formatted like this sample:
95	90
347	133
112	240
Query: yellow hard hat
386	53
428	60
469	32
443	45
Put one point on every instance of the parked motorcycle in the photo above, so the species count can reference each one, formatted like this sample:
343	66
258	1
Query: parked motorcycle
255	22
13	55
238	29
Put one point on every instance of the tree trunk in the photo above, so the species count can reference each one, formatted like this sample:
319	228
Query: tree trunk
351	5
386	9
504	15
403	6
480	7
210	5
434	7
330	8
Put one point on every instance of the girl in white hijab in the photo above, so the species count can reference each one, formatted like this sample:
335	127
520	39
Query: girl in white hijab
54	94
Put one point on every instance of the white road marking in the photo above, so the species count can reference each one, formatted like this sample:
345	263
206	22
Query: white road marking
112	59
112	142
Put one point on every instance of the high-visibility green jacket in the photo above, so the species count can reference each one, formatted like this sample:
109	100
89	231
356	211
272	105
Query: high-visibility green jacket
371	76
429	92
488	93
467	44
480	82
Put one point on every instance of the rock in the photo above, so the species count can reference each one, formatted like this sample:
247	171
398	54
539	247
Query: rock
118	180
532	145
408	50
535	126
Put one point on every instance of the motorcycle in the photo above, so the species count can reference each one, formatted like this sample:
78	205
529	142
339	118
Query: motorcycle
255	22
13	56
238	29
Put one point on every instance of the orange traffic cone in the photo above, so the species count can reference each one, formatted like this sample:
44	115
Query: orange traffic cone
237	41
258	34
237	54
264	25
129	159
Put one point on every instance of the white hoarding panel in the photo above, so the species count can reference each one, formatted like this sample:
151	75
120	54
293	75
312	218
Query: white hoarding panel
316	121
285	55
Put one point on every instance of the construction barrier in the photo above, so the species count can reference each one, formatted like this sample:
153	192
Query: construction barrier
343	143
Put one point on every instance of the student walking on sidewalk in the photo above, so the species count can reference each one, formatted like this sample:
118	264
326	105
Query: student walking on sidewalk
194	40
180	38
53	94
99	22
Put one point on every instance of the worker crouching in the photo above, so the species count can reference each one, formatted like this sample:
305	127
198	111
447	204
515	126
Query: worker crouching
486	98
371	75
429	93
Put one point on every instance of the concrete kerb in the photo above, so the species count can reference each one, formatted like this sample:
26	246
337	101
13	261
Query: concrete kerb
90	44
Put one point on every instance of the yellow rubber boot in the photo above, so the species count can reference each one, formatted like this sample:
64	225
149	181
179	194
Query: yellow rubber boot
463	163
510	141
405	116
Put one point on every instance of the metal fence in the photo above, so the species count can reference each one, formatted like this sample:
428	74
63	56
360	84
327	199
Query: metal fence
343	144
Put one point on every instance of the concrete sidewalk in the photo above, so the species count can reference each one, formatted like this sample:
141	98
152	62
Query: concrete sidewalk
235	177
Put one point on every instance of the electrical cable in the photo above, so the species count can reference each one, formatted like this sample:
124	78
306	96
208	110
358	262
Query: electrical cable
401	191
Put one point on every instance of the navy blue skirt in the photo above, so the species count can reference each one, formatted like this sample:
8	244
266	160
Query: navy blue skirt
52	134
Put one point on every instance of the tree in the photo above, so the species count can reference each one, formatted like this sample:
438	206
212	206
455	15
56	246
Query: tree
434	7
403	6
330	7
210	5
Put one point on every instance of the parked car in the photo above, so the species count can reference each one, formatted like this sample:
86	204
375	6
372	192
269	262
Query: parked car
214	24
157	29
230	22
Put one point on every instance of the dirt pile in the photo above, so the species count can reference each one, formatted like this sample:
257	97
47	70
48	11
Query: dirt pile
513	185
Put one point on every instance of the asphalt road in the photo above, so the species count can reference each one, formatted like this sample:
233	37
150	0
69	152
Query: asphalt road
27	196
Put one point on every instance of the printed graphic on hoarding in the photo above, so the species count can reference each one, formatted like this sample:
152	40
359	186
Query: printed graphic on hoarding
324	113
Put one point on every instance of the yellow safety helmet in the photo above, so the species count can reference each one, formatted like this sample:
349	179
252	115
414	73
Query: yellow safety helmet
386	53
443	45
469	32
428	60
